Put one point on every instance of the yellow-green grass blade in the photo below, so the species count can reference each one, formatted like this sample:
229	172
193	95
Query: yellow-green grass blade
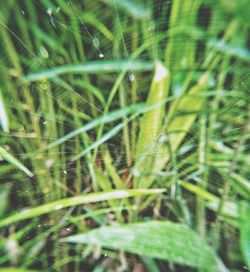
151	122
74	201
151	126
212	201
183	113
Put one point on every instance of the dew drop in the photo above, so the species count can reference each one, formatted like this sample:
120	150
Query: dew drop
58	207
44	53
96	42
49	163
23	12
101	55
49	11
65	172
131	77
163	138
135	172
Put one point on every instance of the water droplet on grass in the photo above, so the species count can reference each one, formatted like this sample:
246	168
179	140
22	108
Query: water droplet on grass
135	172
96	42
131	77
49	163
44	53
101	55
58	207
163	138
49	11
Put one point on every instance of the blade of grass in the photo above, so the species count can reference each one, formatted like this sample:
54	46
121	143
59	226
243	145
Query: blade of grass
12	160
4	197
151	125
245	231
108	118
105	137
93	67
130	7
76	200
15	269
151	122
179	124
164	240
4	122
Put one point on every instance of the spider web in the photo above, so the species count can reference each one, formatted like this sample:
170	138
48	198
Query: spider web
126	23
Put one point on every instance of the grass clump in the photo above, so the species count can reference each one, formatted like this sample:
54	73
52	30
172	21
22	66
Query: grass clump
124	135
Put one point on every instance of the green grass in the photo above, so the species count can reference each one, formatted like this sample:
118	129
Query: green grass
124	135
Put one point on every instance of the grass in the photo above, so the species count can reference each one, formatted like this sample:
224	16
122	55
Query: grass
124	135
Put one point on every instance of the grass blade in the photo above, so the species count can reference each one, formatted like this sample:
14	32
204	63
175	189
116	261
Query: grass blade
93	67
151	126
131	7
102	140
151	123
4	122
74	201
4	197
245	232
15	269
107	118
164	240
190	104
8	157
